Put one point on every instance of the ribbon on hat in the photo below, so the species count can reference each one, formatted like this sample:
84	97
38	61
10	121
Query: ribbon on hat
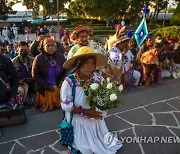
48	40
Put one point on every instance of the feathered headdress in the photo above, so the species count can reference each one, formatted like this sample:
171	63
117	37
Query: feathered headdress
118	37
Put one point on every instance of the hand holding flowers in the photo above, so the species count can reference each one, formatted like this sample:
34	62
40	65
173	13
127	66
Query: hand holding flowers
104	96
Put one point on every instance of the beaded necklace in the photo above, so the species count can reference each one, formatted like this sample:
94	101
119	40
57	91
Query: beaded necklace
84	84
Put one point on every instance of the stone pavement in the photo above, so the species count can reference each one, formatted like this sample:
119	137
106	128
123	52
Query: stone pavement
151	115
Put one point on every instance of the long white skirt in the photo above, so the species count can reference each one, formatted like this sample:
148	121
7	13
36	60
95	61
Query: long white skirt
89	136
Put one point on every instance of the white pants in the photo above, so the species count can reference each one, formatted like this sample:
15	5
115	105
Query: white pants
137	77
23	90
166	73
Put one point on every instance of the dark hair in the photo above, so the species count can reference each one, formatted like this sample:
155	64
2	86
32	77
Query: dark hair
165	42
23	43
148	38
159	35
80	61
176	54
65	43
10	45
157	45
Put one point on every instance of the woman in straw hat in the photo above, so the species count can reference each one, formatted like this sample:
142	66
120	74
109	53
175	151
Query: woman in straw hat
89	125
48	72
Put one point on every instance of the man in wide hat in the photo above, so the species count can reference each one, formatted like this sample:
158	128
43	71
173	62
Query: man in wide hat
80	36
119	47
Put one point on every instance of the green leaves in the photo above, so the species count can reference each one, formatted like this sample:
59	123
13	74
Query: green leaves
48	8
99	8
175	18
5	8
100	97
167	33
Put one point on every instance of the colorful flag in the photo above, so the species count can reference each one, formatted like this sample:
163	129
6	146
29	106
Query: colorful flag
141	32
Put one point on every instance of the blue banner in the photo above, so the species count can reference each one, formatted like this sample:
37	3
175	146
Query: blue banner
141	32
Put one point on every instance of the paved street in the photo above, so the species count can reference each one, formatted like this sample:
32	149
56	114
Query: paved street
149	113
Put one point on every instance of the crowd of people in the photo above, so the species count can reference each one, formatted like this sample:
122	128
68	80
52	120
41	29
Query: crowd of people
44	68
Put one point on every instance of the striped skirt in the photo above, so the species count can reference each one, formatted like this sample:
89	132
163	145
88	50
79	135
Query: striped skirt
49	100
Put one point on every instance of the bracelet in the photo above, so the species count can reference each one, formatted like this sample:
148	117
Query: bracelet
82	111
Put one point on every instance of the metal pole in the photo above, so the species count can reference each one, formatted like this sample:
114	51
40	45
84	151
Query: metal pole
58	12
165	14
51	16
51	3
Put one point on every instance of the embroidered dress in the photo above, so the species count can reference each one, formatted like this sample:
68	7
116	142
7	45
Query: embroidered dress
88	133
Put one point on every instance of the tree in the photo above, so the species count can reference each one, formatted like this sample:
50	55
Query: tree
136	7
158	6
108	10
76	9
175	20
134	10
100	8
5	8
48	8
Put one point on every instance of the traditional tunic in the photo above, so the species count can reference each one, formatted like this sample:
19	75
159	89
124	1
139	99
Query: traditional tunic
88	133
131	75
116	63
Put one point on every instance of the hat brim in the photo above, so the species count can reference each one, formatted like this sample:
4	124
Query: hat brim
122	41
89	29
176	75
101	60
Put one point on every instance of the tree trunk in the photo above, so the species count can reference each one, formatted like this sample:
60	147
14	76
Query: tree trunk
154	15
107	21
157	12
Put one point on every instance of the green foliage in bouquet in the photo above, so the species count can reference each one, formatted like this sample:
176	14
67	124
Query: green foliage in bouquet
104	96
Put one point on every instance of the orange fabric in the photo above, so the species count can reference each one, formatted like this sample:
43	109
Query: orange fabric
49	101
144	66
150	57
147	58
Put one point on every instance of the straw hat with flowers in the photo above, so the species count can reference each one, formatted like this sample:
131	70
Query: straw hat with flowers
118	37
80	28
101	60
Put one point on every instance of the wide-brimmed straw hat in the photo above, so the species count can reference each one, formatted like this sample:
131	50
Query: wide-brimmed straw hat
101	60
176	73
121	40
80	28
118	37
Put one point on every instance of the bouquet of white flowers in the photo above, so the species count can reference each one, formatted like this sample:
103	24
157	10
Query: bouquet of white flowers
104	96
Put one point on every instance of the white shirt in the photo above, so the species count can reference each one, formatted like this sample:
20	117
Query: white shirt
115	57
127	60
92	45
